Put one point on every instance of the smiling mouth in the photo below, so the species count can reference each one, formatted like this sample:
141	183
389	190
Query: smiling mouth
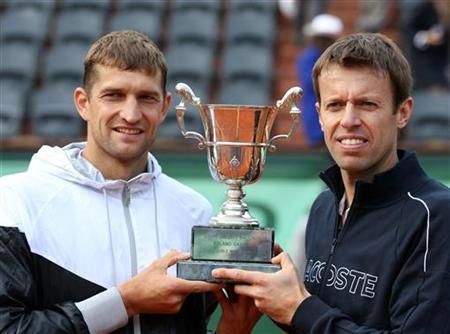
352	141
128	131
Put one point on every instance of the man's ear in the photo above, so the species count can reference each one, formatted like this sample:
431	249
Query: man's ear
404	112
166	105
317	105
81	100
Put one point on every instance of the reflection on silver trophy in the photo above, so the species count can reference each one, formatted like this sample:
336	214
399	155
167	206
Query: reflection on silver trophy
236	138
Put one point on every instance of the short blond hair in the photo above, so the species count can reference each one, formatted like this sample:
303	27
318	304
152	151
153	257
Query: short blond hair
128	51
371	50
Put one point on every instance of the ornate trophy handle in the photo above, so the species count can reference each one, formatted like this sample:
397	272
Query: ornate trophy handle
187	96
288	103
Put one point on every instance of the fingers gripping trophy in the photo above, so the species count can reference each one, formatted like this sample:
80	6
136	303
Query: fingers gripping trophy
236	139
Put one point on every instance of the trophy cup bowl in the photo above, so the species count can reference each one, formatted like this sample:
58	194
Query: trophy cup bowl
236	139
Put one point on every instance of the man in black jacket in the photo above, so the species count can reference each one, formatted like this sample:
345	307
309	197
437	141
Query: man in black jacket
377	240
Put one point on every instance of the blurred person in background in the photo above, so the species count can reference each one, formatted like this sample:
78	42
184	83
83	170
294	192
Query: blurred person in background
321	32
301	12
372	15
429	44
377	240
88	233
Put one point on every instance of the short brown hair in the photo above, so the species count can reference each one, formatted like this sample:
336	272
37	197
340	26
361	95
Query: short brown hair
369	50
127	50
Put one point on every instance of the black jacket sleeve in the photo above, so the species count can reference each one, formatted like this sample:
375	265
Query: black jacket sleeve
21	307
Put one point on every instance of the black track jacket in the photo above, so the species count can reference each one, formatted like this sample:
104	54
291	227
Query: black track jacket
388	269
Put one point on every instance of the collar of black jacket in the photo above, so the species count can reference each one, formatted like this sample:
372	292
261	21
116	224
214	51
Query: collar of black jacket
406	176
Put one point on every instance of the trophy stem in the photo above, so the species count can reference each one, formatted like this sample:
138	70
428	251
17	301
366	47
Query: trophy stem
234	212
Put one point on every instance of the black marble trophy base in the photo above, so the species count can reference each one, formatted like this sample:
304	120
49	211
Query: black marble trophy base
201	270
247	248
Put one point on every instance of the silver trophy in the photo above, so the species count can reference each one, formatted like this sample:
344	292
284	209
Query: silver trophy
236	138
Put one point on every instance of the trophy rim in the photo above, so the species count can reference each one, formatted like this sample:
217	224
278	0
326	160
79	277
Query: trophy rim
226	105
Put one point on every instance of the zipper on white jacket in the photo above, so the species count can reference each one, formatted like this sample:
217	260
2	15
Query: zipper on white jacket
126	199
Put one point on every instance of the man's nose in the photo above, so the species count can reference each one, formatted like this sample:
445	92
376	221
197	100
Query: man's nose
350	117
131	111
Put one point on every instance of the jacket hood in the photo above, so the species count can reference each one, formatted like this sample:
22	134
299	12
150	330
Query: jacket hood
67	163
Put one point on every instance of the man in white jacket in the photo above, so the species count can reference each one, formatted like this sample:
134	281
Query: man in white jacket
88	232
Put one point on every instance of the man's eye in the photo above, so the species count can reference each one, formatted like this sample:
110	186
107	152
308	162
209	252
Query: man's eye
368	105
112	95
334	106
150	98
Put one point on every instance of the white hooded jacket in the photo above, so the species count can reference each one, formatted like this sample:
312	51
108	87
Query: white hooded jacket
105	231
